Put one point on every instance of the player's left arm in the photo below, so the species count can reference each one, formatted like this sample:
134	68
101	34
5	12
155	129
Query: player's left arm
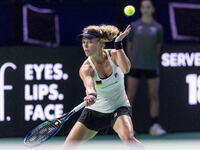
119	56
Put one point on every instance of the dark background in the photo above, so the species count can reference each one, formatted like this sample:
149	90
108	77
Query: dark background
74	15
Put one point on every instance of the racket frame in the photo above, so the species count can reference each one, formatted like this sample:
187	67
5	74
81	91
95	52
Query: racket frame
61	121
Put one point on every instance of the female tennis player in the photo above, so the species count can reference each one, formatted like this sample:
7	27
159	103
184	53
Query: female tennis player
103	77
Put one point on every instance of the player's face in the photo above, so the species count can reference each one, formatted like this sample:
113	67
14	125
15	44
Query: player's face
147	8
90	46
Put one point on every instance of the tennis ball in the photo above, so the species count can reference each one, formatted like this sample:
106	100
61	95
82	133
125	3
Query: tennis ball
129	10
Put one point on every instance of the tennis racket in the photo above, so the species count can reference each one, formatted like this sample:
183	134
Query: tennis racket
48	129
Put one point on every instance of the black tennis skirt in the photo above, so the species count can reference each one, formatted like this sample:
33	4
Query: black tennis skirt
96	121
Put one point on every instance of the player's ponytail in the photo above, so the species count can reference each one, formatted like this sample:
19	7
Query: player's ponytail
109	32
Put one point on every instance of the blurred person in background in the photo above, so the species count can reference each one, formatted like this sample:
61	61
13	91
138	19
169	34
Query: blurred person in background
143	47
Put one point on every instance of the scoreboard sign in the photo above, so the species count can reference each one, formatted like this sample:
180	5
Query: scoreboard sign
180	87
186	60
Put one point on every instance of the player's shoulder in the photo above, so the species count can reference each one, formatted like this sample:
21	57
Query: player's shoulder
112	53
86	67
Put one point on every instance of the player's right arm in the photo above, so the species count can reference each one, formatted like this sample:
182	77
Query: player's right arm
86	73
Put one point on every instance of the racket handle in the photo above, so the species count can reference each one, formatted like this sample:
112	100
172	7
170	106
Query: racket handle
80	106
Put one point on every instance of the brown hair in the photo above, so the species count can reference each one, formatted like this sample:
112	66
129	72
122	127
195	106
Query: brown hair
108	32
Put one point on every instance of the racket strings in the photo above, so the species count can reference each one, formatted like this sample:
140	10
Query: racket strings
41	133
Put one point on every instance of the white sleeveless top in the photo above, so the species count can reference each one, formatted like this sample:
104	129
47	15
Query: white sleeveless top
110	91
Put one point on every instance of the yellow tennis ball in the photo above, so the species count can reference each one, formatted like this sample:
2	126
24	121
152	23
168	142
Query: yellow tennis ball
129	10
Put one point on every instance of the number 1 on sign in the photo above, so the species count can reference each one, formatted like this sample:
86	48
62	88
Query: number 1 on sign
193	81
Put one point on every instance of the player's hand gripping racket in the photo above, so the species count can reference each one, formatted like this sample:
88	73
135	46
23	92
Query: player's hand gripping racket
48	129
